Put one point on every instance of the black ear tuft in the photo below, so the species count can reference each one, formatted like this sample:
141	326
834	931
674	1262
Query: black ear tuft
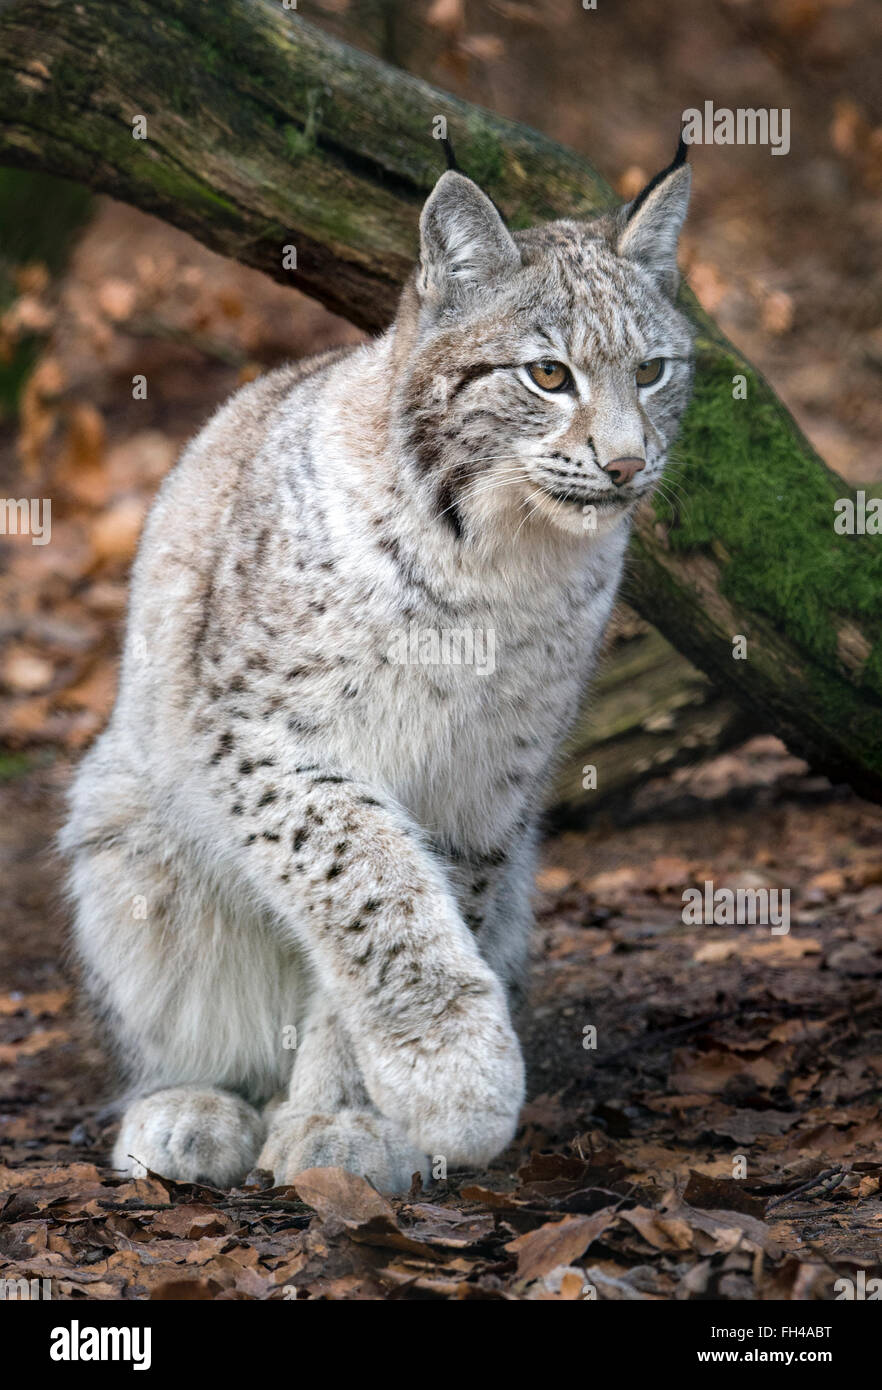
679	158
451	157
649	228
453	163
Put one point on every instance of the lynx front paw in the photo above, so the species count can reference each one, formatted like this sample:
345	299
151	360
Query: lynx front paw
190	1135
457	1092
357	1140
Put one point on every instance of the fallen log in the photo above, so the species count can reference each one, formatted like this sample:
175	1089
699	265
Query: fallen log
262	135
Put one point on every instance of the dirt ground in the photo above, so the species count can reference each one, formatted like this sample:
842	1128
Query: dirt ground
720	1138
704	1101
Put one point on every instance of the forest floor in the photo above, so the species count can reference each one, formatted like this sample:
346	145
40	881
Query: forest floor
719	1136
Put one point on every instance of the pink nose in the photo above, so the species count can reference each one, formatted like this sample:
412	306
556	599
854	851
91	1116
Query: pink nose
623	470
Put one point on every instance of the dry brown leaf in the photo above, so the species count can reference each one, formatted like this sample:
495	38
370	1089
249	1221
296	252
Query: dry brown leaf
351	1201
24	672
715	1194
116	299
662	1232
558	1242
182	1290
36	1042
783	950
50	1001
341	1196
447	15
191	1221
554	880
114	534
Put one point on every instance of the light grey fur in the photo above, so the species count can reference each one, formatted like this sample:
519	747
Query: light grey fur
284	828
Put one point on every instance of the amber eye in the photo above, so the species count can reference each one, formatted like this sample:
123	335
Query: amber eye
649	372
551	376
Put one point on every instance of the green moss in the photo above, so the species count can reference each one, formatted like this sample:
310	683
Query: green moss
172	182
302	142
16	764
812	702
481	153
520	219
40	216
754	492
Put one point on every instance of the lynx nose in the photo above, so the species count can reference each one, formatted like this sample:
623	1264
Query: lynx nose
624	470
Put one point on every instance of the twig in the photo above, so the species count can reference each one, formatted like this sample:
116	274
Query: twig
824	1182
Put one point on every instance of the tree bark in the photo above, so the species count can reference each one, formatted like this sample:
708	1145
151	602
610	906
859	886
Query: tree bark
262	133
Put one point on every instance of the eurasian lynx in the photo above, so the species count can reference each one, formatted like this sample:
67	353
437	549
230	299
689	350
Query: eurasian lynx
303	848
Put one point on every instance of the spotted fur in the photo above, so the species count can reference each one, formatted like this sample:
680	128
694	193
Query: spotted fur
285	836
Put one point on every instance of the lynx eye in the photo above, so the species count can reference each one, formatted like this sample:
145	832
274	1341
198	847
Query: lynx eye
648	373
551	376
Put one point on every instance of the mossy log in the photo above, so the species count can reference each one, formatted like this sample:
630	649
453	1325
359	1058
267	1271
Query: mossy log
262	132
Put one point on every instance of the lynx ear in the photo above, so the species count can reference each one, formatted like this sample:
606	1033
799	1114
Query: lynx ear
651	224
463	240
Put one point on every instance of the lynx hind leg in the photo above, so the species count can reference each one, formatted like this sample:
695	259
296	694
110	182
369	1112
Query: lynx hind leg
190	1135
361	1141
329	1121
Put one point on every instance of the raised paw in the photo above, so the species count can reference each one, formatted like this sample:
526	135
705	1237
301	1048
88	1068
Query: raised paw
190	1135
457	1089
360	1141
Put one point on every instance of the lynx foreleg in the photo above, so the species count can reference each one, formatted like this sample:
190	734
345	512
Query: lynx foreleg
349	878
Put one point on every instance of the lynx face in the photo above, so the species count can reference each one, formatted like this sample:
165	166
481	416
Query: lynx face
548	370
